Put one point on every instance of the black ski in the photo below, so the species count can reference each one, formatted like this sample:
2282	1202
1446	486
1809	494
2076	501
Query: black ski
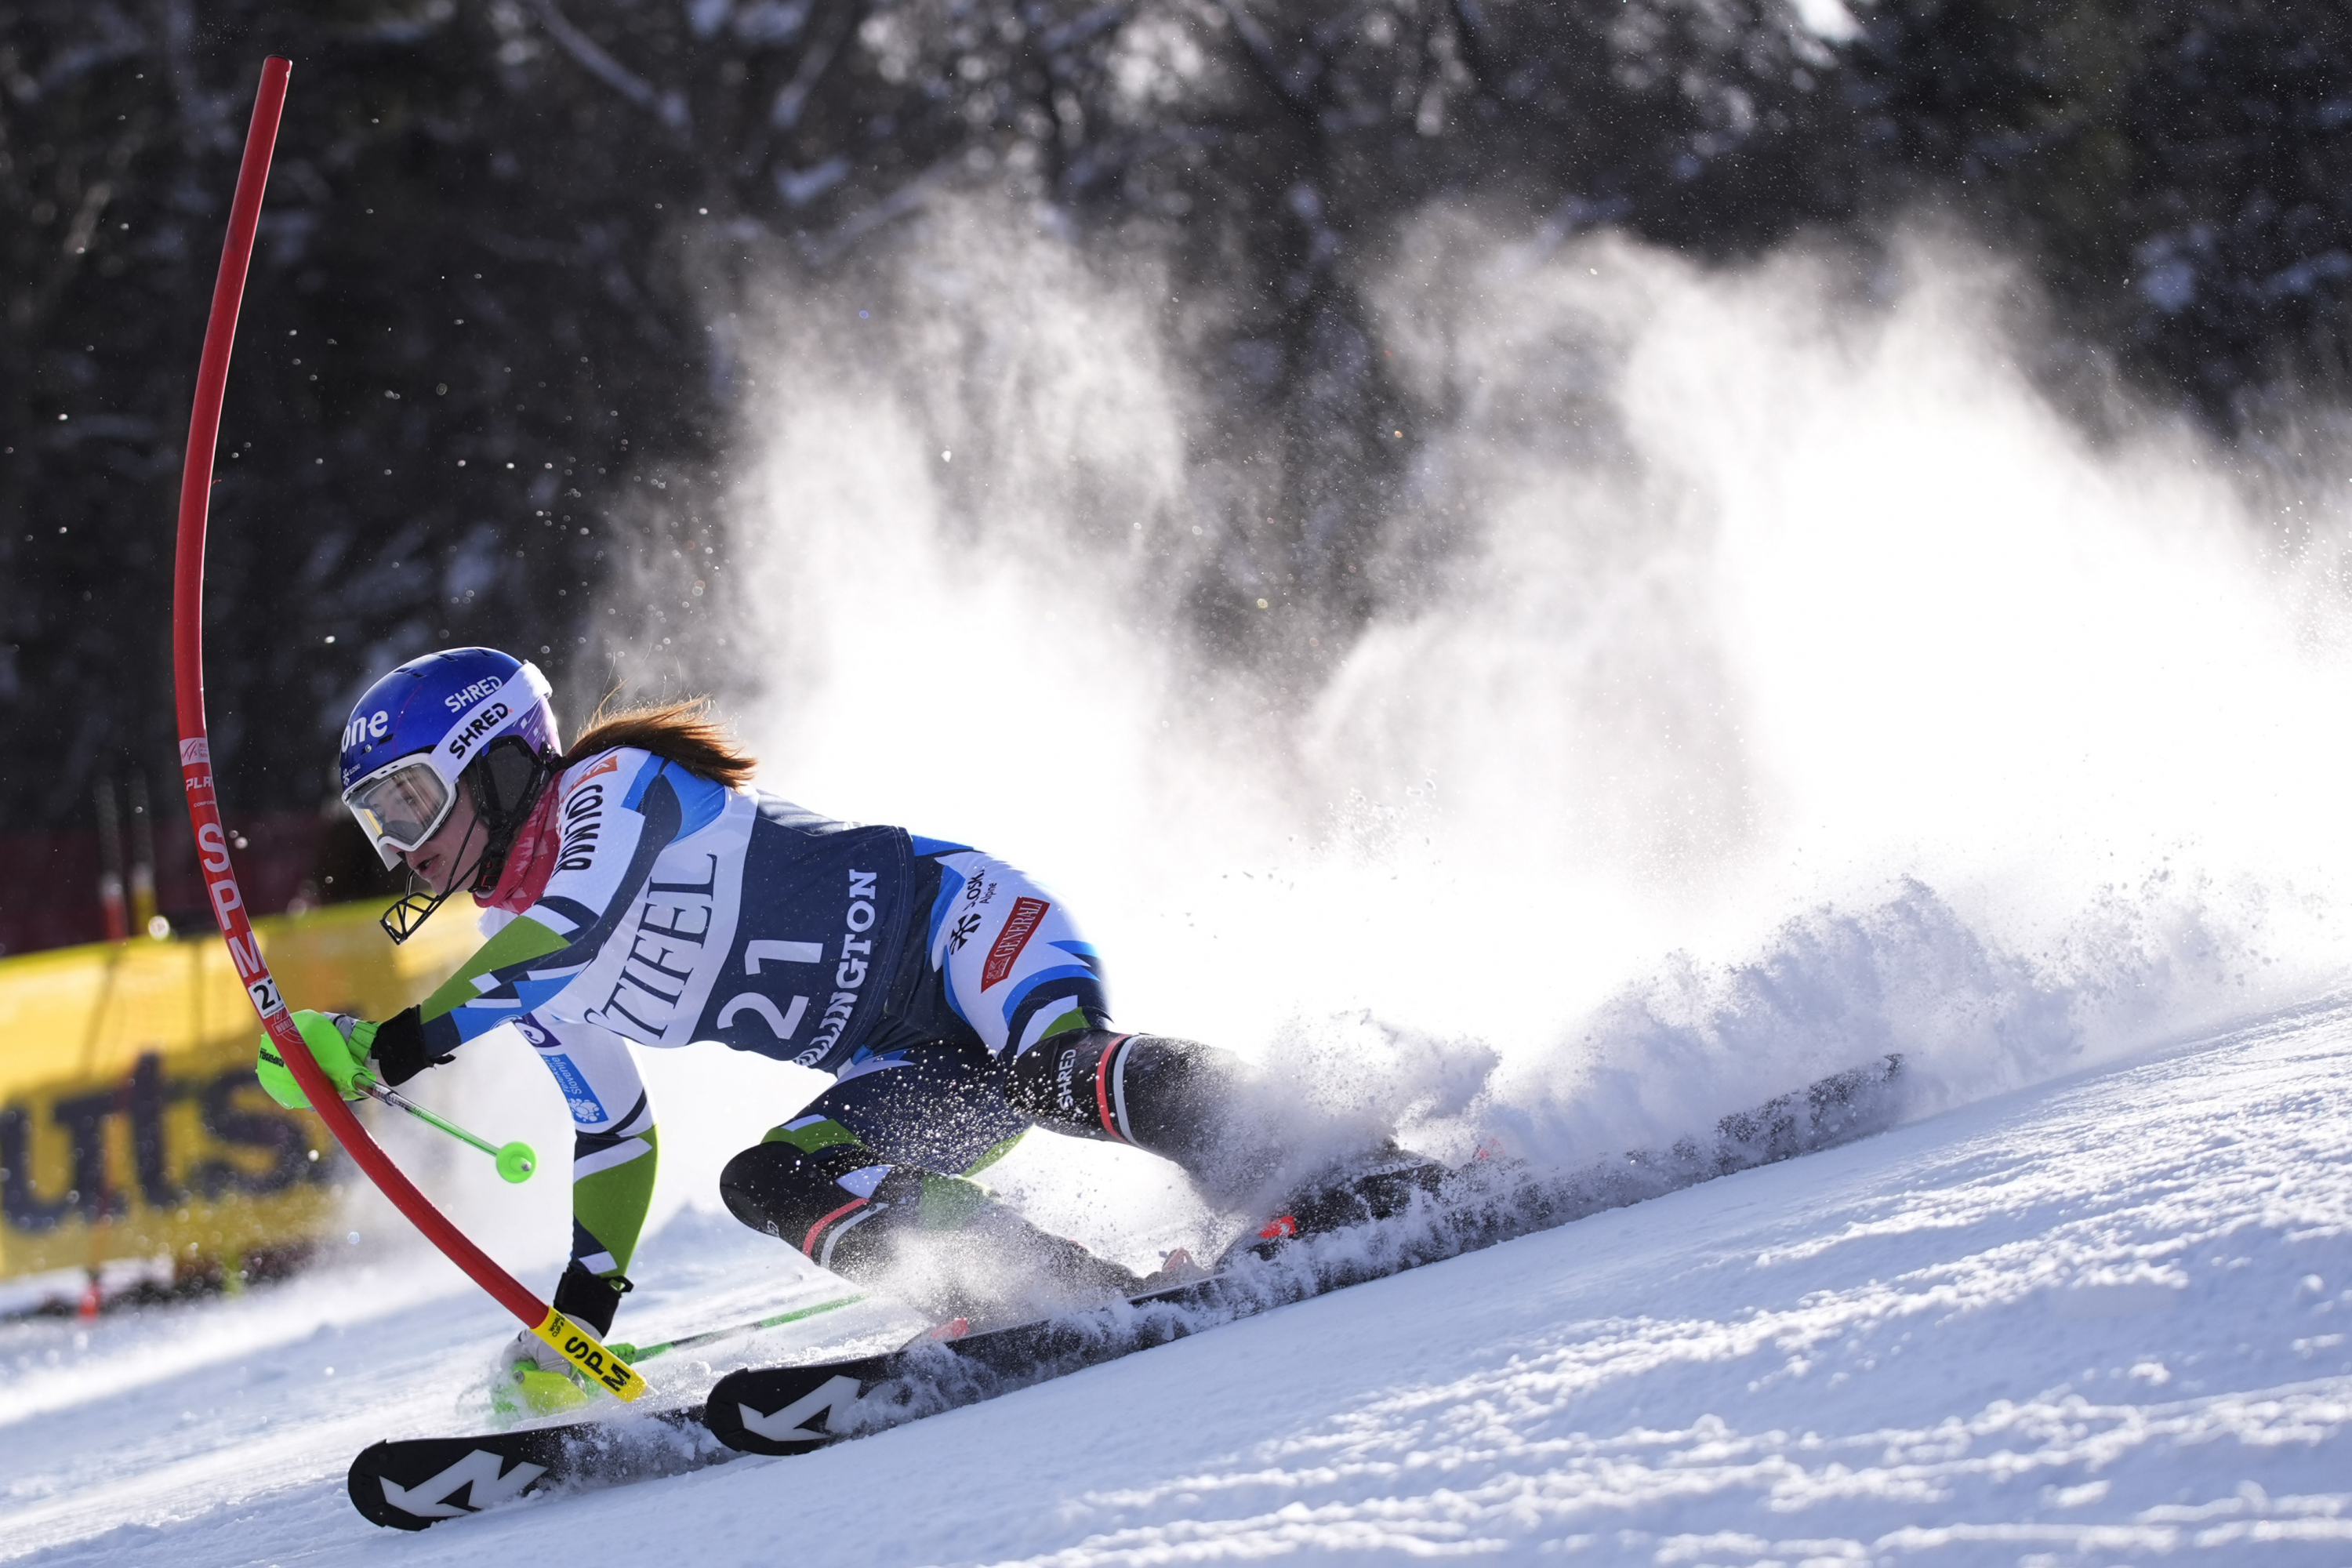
414	1483
793	1409
420	1481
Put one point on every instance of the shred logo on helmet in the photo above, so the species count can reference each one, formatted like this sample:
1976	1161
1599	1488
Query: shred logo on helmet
457	700
412	732
489	720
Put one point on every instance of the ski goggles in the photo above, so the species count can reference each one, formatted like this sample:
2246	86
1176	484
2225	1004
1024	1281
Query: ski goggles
401	805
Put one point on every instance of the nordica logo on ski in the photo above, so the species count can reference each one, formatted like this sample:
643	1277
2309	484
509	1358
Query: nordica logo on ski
849	975
478	1481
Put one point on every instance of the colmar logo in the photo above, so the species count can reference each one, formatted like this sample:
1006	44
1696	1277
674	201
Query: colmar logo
612	763
962	931
1019	926
584	814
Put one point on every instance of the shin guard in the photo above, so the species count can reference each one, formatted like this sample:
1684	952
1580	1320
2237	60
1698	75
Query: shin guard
837	1204
1184	1102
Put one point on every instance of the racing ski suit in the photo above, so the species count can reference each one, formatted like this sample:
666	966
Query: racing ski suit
952	999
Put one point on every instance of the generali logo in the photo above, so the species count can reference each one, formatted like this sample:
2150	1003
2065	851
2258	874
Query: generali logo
1018	928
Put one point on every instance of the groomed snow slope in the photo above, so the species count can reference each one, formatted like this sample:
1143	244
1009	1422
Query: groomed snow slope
2101	1320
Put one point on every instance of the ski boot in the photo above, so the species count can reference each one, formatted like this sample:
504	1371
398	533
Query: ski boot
533	1380
1177	1268
1380	1186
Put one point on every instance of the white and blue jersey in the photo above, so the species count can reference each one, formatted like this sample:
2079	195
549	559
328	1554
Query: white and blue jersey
680	911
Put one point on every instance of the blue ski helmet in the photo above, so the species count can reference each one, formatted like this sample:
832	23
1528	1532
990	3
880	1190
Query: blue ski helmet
415	732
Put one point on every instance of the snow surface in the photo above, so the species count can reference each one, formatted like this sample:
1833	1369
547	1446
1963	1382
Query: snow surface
2102	1320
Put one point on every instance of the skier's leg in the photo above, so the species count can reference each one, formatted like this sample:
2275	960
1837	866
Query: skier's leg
614	1151
614	1154
871	1181
1240	1137
910	1114
1187	1102
1010	960
1006	958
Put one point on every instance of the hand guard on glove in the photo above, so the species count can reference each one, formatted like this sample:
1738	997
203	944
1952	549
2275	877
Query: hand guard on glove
339	1042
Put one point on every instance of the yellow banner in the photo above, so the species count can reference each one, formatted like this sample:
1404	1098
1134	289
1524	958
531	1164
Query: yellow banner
130	1124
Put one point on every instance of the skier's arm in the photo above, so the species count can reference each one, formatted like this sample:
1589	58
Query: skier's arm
480	996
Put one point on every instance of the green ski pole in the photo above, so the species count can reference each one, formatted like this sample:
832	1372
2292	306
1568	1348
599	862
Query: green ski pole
633	1353
516	1161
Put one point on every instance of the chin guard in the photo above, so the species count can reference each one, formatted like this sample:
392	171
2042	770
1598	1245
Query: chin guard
408	914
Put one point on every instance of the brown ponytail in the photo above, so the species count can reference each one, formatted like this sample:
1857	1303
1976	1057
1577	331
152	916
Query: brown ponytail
681	731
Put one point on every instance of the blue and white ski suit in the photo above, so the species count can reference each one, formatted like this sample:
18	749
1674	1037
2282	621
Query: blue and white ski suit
680	911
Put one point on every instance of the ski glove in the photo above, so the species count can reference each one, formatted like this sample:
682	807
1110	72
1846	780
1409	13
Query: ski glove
339	1042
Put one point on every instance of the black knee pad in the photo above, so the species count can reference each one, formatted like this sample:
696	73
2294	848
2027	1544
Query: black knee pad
797	1196
1052	1081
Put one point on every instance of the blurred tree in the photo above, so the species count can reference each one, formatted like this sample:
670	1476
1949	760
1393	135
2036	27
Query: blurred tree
441	369
2182	173
473	324
484	322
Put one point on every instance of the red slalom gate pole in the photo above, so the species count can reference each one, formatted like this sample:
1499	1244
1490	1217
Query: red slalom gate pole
575	1344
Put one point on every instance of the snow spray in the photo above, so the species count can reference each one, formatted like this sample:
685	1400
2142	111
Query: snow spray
1762	675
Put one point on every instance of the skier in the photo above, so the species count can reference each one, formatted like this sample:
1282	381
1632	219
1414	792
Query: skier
643	892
